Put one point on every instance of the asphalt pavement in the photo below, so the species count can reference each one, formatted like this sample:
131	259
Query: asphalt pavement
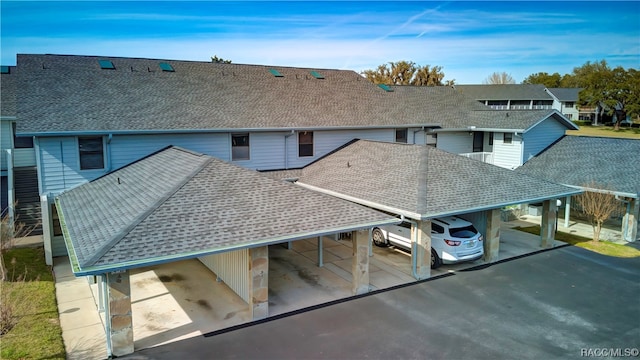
562	303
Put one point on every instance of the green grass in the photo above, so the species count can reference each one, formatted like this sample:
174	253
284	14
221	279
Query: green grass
606	131
31	292
601	247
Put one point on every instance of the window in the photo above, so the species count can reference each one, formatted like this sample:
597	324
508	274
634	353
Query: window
568	116
436	229
401	136
478	141
91	153
239	147
508	138
305	143
569	104
491	138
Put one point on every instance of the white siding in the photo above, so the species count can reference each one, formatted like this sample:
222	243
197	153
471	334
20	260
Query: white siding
327	141
126	149
60	165
507	155
266	151
233	268
455	142
541	136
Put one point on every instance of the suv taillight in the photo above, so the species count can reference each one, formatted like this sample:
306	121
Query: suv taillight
452	242
480	238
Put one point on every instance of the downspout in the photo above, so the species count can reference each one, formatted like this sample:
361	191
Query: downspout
109	152
286	149
414	136
107	320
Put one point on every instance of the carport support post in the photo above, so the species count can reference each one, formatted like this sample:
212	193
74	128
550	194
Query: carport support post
360	262
492	236
548	223
422	249
259	287
120	325
320	252
567	211
630	220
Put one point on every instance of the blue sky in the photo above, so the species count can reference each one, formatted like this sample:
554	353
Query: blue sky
470	40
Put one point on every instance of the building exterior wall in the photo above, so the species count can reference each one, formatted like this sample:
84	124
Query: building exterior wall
541	136
507	155
455	142
6	142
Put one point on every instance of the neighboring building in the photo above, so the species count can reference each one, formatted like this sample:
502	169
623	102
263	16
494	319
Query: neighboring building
510	96
565	100
615	167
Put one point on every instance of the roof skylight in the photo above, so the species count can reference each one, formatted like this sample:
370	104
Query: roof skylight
385	87
4	69
275	73
317	75
106	64
166	67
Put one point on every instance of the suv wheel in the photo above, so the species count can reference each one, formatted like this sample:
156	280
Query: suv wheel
435	260
378	238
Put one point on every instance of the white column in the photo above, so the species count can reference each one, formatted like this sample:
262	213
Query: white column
567	210
47	229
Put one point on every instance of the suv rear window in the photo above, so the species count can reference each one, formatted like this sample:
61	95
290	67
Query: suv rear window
463	232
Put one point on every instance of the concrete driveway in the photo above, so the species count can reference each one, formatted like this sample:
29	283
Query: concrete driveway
549	305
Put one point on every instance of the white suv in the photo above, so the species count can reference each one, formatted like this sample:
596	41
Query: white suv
452	240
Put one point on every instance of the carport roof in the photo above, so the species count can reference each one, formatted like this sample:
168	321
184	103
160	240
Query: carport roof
579	160
177	204
422	182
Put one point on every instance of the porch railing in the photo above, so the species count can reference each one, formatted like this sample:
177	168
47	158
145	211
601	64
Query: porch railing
483	156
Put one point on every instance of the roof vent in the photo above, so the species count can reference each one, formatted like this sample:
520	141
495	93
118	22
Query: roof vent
106	64
317	75
166	67
385	87
4	69
275	73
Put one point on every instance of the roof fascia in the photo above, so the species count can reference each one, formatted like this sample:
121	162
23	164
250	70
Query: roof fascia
97	270
224	130
605	191
499	205
10	118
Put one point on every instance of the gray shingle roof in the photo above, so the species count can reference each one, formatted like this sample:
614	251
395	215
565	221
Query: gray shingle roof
505	92
520	120
578	160
178	204
8	93
565	94
422	181
71	93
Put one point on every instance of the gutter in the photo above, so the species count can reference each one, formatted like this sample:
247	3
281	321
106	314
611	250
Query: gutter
223	130
467	129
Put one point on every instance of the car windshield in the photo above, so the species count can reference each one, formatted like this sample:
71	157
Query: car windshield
463	232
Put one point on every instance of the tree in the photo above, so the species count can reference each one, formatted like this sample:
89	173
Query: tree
615	91
598	205
8	233
499	78
218	60
546	79
554	80
406	73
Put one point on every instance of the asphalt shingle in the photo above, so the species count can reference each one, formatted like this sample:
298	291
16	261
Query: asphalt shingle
579	160
423	180
505	91
178	204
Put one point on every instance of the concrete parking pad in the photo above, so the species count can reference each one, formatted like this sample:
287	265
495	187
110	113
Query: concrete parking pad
552	305
179	300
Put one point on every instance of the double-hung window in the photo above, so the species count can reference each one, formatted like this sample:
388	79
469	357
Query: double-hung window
240	147
305	143
91	149
508	138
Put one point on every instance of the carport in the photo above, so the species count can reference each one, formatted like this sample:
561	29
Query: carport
419	183
175	205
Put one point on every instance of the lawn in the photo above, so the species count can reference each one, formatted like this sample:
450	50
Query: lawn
601	247
30	291
606	131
